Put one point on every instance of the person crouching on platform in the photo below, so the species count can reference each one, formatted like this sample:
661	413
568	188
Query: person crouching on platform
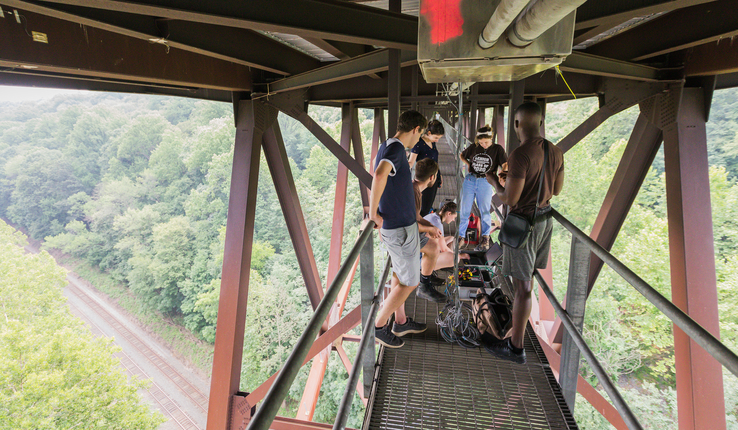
392	208
446	215
520	193
482	157
426	148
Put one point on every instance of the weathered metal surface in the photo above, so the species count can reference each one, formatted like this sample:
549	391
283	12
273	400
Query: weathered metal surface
284	184
576	301
252	120
517	91
431	384
700	396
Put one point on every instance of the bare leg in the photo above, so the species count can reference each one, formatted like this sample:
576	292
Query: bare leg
449	240
430	254
394	300
446	259
521	310
400	315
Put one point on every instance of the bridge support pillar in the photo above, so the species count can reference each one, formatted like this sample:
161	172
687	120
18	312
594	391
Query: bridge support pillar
576	300
252	119
517	91
681	114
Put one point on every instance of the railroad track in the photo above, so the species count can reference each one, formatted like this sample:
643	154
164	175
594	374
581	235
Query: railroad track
192	392
169	405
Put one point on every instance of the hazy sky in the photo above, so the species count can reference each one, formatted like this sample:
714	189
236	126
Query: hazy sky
18	94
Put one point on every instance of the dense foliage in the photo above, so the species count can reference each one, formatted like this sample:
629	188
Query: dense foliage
53	373
138	186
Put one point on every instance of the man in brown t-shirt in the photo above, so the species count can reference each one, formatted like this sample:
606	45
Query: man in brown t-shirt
520	193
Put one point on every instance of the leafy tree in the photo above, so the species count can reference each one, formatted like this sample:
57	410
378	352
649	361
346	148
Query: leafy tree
53	373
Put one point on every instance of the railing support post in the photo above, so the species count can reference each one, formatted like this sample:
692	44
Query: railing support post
366	266
576	300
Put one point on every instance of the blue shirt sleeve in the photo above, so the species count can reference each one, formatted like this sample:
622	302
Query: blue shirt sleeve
395	154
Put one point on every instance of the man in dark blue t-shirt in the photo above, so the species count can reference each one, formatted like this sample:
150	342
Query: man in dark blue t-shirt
392	208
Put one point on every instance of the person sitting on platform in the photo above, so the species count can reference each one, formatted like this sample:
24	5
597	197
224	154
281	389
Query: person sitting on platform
392	208
520	192
426	148
482	157
446	215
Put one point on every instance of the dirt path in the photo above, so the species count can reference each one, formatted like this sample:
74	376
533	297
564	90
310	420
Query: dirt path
177	390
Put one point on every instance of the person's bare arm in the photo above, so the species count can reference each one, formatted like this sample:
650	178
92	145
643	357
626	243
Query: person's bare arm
559	182
411	159
510	193
378	185
463	159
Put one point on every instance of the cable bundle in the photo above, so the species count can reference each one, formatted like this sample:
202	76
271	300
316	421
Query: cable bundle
456	322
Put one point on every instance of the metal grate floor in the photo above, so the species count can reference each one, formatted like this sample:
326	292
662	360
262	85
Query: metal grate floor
431	384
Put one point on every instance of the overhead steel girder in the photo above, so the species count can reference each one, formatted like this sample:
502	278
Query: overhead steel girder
332	20
713	58
376	62
358	66
28	78
248	48
612	13
690	27
78	50
375	90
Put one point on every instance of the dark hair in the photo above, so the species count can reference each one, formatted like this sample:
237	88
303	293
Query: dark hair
448	207
483	133
435	127
409	120
425	168
530	108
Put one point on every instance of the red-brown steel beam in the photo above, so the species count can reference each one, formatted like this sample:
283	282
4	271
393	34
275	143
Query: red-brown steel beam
644	143
618	95
700	396
498	120
697	25
715	58
284	184
358	147
378	136
250	122
546	310
517	91
293	104
351	320
79	50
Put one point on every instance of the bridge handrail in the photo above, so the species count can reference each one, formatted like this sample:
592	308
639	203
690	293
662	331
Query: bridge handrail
345	407
266	413
696	332
622	407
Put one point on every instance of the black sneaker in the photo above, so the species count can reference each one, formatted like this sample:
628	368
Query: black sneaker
409	327
386	338
436	280
427	292
506	351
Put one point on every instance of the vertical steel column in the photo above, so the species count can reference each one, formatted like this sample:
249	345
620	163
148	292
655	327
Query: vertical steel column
576	300
700	394
517	91
481	118
378	136
251	120
498	122
358	147
339	205
414	87
542	103
394	79
366	267
473	114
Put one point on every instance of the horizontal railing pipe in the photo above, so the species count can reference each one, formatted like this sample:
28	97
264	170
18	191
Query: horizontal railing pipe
630	420
348	395
265	414
696	332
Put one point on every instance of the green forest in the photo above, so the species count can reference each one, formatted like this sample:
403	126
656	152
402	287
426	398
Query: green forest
131	191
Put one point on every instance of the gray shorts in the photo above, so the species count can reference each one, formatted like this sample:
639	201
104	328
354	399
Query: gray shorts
403	245
521	263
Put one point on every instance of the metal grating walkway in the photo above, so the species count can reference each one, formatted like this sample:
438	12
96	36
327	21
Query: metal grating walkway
431	384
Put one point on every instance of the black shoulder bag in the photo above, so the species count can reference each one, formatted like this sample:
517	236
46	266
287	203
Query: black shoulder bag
516	228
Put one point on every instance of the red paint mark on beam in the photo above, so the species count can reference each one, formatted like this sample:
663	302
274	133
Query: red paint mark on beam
444	17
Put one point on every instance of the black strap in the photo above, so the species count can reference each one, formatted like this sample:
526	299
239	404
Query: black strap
540	179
